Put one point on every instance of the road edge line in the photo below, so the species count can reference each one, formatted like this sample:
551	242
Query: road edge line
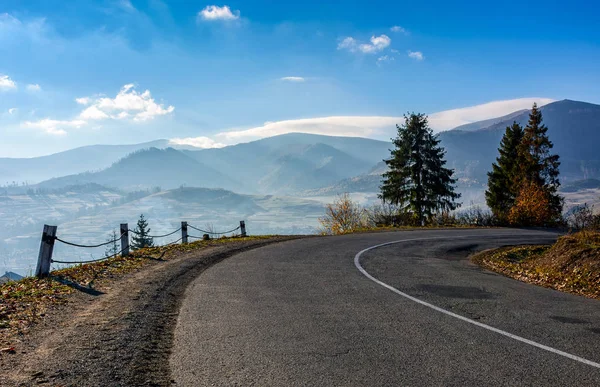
457	316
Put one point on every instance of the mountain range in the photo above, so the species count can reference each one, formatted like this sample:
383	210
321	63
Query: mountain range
305	163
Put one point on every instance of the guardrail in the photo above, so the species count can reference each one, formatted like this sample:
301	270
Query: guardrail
49	238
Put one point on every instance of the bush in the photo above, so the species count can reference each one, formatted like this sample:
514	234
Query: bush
475	216
582	218
343	216
388	215
532	207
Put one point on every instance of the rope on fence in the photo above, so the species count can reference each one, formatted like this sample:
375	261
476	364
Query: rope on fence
214	233
89	261
173	243
88	246
157	236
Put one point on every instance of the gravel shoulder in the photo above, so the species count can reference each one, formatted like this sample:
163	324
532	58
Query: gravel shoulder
121	336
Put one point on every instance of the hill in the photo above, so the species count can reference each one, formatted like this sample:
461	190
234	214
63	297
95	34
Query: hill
293	162
573	127
78	160
296	162
278	165
165	168
487	123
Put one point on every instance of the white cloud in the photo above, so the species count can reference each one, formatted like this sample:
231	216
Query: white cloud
128	103
398	29
450	119
6	83
351	126
127	6
34	87
53	127
348	43
384	58
213	12
12	111
198	142
293	79
378	43
379	127
416	55
93	113
83	100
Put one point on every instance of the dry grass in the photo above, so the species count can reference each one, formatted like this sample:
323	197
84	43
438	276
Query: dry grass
572	264
25	302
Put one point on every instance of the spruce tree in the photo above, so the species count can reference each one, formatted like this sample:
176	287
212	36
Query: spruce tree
502	188
417	180
539	166
112	248
141	238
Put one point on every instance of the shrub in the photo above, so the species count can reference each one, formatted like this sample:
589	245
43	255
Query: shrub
388	215
475	216
532	207
343	216
582	217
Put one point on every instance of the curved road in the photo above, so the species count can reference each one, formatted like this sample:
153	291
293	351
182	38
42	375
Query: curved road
416	312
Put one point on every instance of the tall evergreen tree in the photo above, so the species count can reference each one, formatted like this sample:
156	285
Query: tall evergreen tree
502	188
417	180
539	166
141	238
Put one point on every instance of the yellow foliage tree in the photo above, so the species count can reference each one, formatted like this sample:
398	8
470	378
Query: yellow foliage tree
342	216
532	207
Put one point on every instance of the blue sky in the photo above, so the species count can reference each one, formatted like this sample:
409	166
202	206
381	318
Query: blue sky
210	74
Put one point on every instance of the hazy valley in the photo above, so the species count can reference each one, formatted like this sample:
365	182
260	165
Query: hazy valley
278	184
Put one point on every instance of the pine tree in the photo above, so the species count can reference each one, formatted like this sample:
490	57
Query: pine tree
502	188
112	248
539	166
141	238
417	180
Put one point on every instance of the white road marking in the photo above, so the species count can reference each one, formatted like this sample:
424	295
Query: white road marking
468	320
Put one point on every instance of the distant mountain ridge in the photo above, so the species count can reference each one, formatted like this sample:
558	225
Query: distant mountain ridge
283	164
147	168
296	163
573	127
77	160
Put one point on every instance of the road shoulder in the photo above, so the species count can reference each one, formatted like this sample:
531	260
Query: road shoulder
121	337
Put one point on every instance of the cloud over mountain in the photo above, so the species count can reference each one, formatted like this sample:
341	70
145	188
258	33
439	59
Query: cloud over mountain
377	127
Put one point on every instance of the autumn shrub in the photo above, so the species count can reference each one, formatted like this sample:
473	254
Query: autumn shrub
532	207
343	216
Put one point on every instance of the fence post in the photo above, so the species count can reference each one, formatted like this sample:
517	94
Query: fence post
124	239
243	228
184	235
46	249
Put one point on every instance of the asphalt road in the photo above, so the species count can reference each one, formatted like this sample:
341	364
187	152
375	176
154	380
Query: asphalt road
302	313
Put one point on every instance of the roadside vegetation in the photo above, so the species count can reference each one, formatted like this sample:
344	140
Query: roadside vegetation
571	265
419	191
523	183
25	302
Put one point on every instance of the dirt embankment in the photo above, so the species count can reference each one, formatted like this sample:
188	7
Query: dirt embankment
118	332
571	265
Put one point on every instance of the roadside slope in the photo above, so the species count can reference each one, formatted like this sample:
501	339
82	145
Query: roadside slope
119	337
